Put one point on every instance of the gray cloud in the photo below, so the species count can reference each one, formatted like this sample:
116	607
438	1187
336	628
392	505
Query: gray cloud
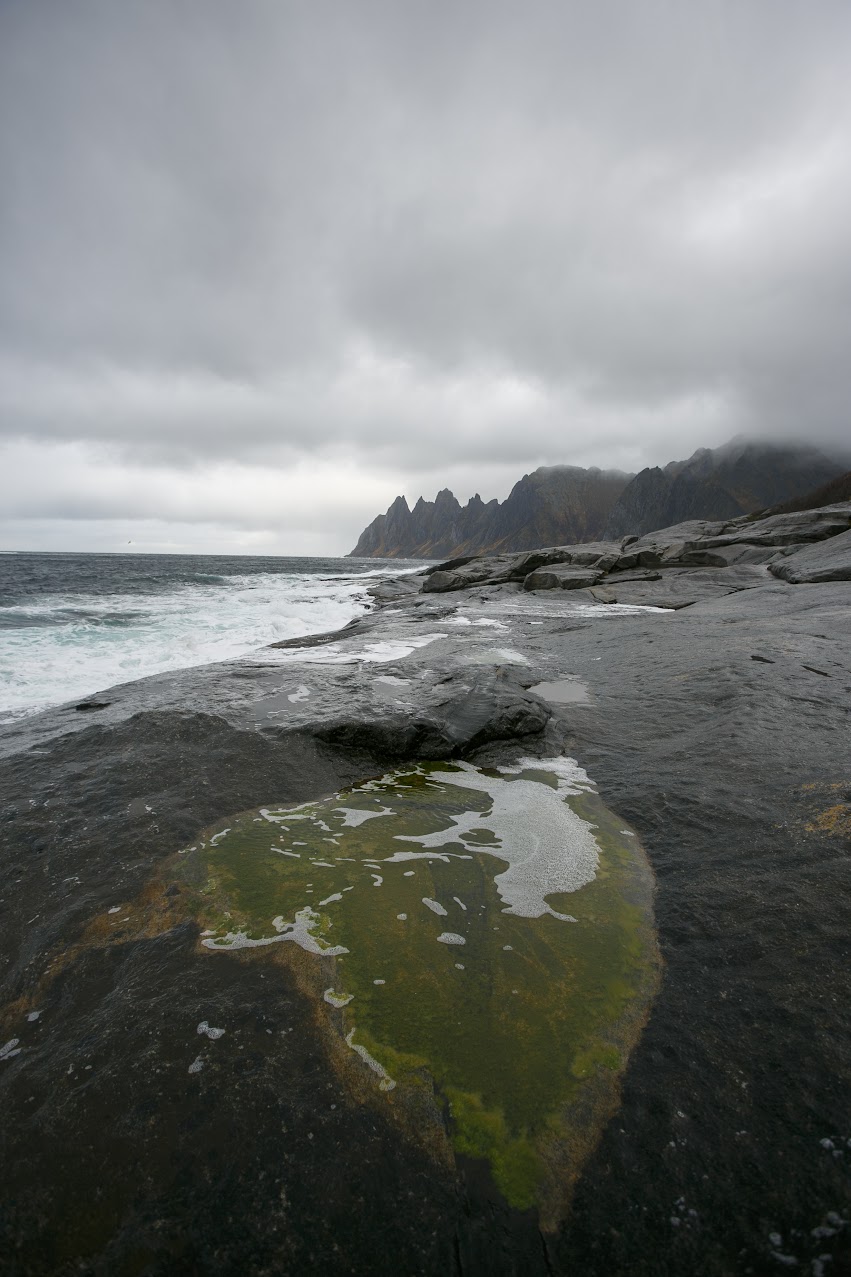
418	239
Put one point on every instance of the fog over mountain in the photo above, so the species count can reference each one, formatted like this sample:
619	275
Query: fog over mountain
266	266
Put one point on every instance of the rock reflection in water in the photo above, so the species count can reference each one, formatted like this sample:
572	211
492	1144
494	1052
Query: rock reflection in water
529	871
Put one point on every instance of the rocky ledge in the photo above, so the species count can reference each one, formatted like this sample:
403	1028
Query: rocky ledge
331	956
640	570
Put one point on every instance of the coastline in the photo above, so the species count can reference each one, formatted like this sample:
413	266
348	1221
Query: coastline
718	732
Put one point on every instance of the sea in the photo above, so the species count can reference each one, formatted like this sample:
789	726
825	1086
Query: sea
74	624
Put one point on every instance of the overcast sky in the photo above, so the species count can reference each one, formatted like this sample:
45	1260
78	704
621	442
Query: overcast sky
264	264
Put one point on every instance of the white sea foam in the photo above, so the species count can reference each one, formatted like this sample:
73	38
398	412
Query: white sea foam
354	816
337	999
300	931
548	848
70	645
348	652
386	1083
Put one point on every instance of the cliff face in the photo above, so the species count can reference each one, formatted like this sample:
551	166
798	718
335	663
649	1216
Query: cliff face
551	506
721	484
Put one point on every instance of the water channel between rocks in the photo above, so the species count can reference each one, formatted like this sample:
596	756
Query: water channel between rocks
479	944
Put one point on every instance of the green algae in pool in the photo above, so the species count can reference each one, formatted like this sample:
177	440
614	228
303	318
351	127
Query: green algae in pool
489	929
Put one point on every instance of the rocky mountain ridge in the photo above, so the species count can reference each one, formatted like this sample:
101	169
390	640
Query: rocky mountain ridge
568	504
553	503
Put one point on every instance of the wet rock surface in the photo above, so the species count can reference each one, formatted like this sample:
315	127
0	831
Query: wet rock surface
718	731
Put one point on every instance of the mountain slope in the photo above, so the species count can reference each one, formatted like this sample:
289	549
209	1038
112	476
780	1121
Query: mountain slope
721	484
553	505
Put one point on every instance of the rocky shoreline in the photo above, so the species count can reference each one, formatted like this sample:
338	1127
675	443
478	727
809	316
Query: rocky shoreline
716	729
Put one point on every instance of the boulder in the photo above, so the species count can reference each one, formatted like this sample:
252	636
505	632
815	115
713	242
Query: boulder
824	561
474	572
562	576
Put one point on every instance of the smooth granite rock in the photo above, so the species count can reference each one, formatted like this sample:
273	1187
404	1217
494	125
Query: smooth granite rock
826	561
678	589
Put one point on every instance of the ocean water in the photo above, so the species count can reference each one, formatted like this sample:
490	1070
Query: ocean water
74	624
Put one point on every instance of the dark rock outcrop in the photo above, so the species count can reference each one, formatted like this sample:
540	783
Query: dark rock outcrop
718	484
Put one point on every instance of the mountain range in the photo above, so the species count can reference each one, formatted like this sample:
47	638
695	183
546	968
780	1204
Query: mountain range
559	505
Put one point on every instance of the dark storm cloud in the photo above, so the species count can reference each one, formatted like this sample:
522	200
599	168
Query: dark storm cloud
414	235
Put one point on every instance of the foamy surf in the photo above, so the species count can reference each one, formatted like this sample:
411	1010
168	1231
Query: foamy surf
60	644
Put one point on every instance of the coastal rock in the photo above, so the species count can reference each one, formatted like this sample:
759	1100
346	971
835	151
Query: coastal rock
400	587
456	720
825	561
679	588
472	572
564	576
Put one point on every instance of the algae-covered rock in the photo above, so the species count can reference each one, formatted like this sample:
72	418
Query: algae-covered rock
483	936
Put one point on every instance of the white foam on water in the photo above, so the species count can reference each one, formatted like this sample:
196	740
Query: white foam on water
354	816
386	1083
300	932
451	937
495	656
549	849
209	1031
435	907
301	694
72	645
346	652
329	900
337	999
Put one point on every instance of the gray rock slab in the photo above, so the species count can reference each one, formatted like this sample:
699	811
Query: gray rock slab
720	556
785	529
825	561
679	587
494	569
562	576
